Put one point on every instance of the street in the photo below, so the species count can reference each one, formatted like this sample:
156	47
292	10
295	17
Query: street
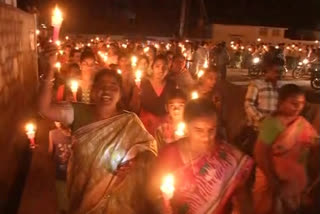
240	77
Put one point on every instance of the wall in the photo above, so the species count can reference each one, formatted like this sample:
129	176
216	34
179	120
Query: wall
245	33
18	84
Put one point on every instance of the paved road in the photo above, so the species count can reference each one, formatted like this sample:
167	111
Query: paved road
240	77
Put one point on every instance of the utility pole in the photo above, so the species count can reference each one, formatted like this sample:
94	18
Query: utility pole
182	18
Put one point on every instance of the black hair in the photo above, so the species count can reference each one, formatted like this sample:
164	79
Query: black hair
86	55
177	56
107	72
144	57
270	61
199	108
74	65
123	55
176	94
289	90
160	57
73	51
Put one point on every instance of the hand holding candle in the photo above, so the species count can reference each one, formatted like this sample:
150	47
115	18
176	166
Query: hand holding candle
194	95
74	85
134	61
31	132
138	75
167	186
58	66
180	130
56	21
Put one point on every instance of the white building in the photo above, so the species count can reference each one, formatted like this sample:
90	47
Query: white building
11	2
247	33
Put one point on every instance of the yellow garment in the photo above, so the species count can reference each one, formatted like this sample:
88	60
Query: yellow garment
95	183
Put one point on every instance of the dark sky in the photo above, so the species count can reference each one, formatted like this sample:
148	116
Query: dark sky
162	16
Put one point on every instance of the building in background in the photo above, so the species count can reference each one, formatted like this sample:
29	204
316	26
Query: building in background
247	33
11	2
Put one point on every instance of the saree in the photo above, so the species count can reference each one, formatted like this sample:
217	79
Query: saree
100	150
290	151
206	185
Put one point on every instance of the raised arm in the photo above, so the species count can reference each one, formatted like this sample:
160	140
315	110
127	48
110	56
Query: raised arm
57	112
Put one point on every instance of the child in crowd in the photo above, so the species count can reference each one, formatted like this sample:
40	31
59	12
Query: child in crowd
60	150
172	128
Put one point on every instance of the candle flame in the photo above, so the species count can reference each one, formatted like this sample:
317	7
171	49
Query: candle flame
138	75
180	129
37	32
30	128
74	85
259	39
146	49
134	61
167	186
200	73
67	37
119	71
57	17
206	64
194	95
58	65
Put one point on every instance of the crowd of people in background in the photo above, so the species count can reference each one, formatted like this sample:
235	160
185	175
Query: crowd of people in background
140	128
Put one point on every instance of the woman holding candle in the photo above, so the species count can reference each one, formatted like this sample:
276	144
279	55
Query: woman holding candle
153	95
170	131
281	153
111	150
130	95
209	174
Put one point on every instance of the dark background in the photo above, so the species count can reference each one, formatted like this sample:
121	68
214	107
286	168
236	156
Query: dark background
161	17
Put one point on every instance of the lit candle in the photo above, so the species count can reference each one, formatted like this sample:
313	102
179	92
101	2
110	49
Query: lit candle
58	66
316	41
180	130
124	46
157	46
200	73
206	64
134	61
88	44
293	46
194	95
58	43
97	38
37	32
232	42
119	71
74	85
146	49
56	21
242	47
300	49
67	37
138	75
61	52
249	49
31	132
259	39
277	47
168	46
167	186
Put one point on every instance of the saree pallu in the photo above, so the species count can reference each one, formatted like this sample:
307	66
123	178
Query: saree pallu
290	151
100	149
206	185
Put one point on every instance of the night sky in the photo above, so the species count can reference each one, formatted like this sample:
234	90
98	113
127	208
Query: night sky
161	17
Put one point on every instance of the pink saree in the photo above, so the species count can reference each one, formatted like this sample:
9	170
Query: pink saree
290	152
206	185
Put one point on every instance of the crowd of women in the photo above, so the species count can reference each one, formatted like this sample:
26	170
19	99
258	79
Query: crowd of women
140	130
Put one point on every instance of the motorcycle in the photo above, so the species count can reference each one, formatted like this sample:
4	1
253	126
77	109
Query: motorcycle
255	69
315	77
303	69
